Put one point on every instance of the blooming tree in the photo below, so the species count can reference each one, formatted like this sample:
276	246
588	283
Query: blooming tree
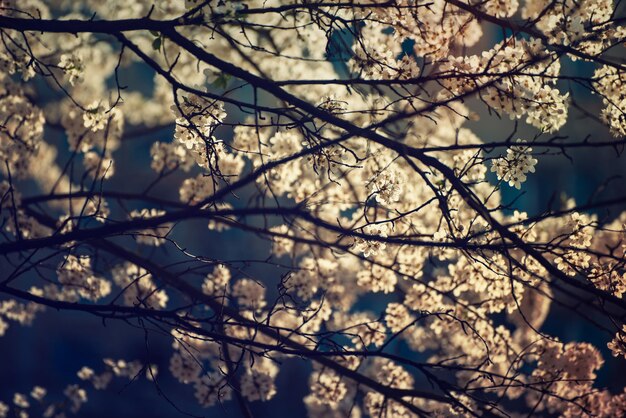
340	134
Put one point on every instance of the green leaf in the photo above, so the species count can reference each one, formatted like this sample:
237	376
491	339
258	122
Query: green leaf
222	81
155	33
156	44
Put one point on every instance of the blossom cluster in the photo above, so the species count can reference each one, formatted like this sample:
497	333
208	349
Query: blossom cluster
515	165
